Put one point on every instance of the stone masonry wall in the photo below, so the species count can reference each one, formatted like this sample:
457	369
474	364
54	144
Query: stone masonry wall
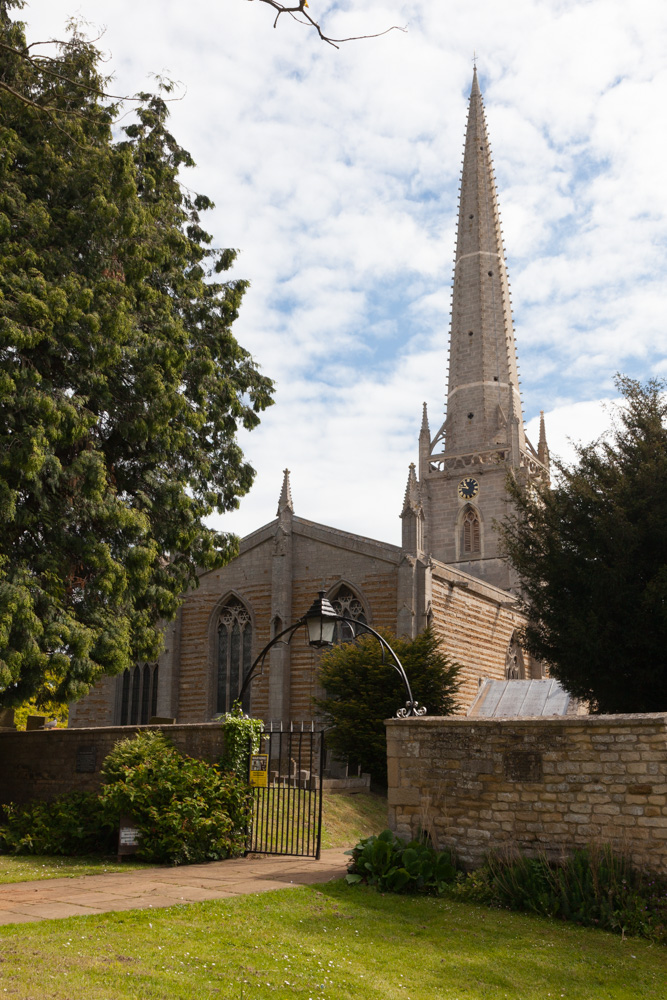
46	763
547	784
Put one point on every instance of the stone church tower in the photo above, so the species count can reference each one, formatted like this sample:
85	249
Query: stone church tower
463	469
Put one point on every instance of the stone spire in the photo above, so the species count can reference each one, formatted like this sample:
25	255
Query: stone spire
542	446
483	378
463	468
412	503
412	516
285	502
424	444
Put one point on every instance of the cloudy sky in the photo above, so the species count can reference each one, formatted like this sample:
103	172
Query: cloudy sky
335	173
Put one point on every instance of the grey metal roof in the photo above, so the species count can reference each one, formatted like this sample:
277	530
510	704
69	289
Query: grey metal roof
511	699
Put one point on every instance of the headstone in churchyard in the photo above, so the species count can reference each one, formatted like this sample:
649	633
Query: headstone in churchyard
7	718
34	722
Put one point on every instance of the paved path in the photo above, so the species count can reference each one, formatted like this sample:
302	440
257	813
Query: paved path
25	902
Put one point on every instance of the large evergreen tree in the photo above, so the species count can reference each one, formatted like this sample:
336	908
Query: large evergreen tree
121	383
363	689
592	554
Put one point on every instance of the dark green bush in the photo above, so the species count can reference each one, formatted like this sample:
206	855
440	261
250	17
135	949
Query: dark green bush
394	866
73	824
185	809
593	887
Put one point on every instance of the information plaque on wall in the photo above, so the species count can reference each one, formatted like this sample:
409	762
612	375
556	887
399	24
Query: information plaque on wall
259	770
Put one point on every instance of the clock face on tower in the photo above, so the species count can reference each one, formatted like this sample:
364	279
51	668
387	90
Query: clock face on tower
468	488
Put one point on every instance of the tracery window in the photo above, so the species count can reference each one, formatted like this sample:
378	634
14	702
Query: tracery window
346	603
514	666
138	697
471	531
234	654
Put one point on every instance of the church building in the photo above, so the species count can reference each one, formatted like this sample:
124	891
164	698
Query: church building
448	571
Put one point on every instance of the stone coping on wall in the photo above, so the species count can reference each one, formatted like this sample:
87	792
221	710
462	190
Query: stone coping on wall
575	721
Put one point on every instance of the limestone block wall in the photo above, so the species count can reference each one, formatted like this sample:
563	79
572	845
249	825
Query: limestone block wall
547	784
44	764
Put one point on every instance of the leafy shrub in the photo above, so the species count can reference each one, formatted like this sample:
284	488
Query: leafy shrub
592	887
241	734
72	824
185	809
394	866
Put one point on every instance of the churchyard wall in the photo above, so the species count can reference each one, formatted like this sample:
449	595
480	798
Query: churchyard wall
546	784
44	764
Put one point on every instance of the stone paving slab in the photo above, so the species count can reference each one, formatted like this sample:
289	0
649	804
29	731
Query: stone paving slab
49	899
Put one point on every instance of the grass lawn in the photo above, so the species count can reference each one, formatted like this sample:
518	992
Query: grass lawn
30	867
345	819
330	942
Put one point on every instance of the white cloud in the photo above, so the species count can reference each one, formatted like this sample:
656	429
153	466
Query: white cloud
336	172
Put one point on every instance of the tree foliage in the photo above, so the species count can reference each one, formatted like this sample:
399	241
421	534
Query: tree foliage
121	383
363	689
592	554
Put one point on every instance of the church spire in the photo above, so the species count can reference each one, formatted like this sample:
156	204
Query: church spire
542	446
285	501
483	373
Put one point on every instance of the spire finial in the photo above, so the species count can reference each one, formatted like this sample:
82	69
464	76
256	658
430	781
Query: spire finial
424	426
474	90
285	501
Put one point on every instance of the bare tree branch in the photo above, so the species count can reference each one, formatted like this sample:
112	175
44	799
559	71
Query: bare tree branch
306	19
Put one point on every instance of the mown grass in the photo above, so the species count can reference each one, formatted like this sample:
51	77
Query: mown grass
330	942
345	819
30	867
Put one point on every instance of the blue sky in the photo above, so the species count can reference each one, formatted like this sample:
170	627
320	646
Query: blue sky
336	173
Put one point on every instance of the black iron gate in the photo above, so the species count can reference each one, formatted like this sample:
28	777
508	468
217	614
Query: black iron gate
287	804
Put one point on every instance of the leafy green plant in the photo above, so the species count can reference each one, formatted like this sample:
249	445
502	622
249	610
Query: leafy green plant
394	866
242	737
594	886
72	824
186	810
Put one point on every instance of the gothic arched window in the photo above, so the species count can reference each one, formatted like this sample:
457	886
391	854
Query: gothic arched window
514	668
346	603
234	654
138	697
470	531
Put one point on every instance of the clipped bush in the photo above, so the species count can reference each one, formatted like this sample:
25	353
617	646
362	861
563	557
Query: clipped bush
72	824
186	810
392	865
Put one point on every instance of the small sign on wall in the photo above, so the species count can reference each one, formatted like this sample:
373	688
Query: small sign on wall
259	770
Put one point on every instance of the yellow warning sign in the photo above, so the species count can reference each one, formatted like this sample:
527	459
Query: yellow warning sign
259	770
